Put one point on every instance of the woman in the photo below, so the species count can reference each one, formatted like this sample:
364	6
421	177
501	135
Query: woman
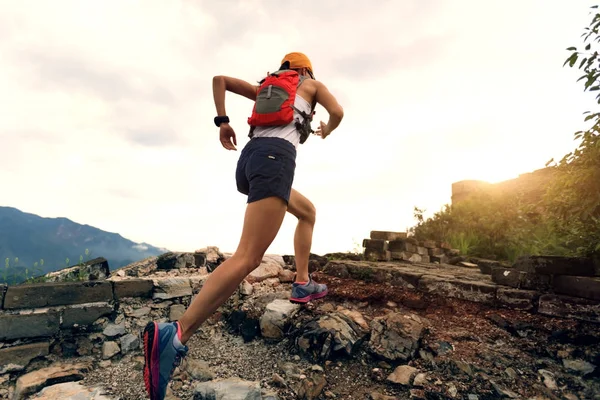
265	173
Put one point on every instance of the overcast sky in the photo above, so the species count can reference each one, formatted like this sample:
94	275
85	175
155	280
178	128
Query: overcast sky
106	112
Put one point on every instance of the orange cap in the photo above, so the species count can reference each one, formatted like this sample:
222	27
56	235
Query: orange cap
298	60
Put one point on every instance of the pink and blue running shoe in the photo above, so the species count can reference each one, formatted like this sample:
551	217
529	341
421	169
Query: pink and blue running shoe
163	352
304	292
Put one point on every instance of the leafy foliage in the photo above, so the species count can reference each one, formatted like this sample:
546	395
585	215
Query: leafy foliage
565	220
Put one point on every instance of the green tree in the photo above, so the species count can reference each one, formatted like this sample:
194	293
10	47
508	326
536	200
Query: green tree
574	196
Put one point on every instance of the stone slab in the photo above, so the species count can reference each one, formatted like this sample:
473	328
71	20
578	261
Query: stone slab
554	265
375	244
169	288
16	358
387	235
569	307
55	294
84	314
376	255
405	279
520	279
337	268
479	292
436	252
32	382
517	299
22	326
430	244
369	273
133	288
577	286
402	245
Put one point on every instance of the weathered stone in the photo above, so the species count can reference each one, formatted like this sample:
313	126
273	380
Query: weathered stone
443	259
337	268
176	311
479	292
369	273
555	265
2	293
403	375
169	288
246	288
569	307
402	245
276	317
379	396
92	270
548	378
580	366
485	266
406	256
265	270
228	389
199	260
356	316
18	357
329	335
506	276
170	260
199	370
39	324
129	342
395	336
425	259
84	314
113	330
32	382
311	387
429	244
577	286
520	279
422	251
286	276
109	350
133	288
436	252
405	279
375	244
213	257
517	299
377	255
387	235
59	293
138	312
71	391
467	264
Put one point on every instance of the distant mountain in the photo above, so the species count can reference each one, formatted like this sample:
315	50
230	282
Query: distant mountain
30	238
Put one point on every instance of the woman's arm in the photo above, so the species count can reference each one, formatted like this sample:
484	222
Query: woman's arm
225	83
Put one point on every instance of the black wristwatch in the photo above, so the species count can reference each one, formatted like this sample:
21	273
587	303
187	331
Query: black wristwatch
222	119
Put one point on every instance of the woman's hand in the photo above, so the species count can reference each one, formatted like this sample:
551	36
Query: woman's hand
227	136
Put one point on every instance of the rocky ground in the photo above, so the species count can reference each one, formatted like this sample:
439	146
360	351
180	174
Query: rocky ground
363	341
460	350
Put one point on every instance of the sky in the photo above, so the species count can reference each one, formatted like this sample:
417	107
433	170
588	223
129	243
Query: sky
106	108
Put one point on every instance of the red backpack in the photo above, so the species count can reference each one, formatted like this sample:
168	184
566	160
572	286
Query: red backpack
275	103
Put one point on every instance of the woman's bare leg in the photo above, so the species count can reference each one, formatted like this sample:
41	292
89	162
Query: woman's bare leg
305	211
261	223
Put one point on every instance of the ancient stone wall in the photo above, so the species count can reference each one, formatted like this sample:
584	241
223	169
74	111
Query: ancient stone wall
531	185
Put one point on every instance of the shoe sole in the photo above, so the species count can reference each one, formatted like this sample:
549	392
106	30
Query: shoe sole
304	300
150	362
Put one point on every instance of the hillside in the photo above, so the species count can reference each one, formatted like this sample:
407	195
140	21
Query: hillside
31	238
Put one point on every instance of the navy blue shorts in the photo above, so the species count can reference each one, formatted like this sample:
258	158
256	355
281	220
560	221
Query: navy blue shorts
266	168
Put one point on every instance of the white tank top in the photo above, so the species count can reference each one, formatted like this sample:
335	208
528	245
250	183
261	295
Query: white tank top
287	132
